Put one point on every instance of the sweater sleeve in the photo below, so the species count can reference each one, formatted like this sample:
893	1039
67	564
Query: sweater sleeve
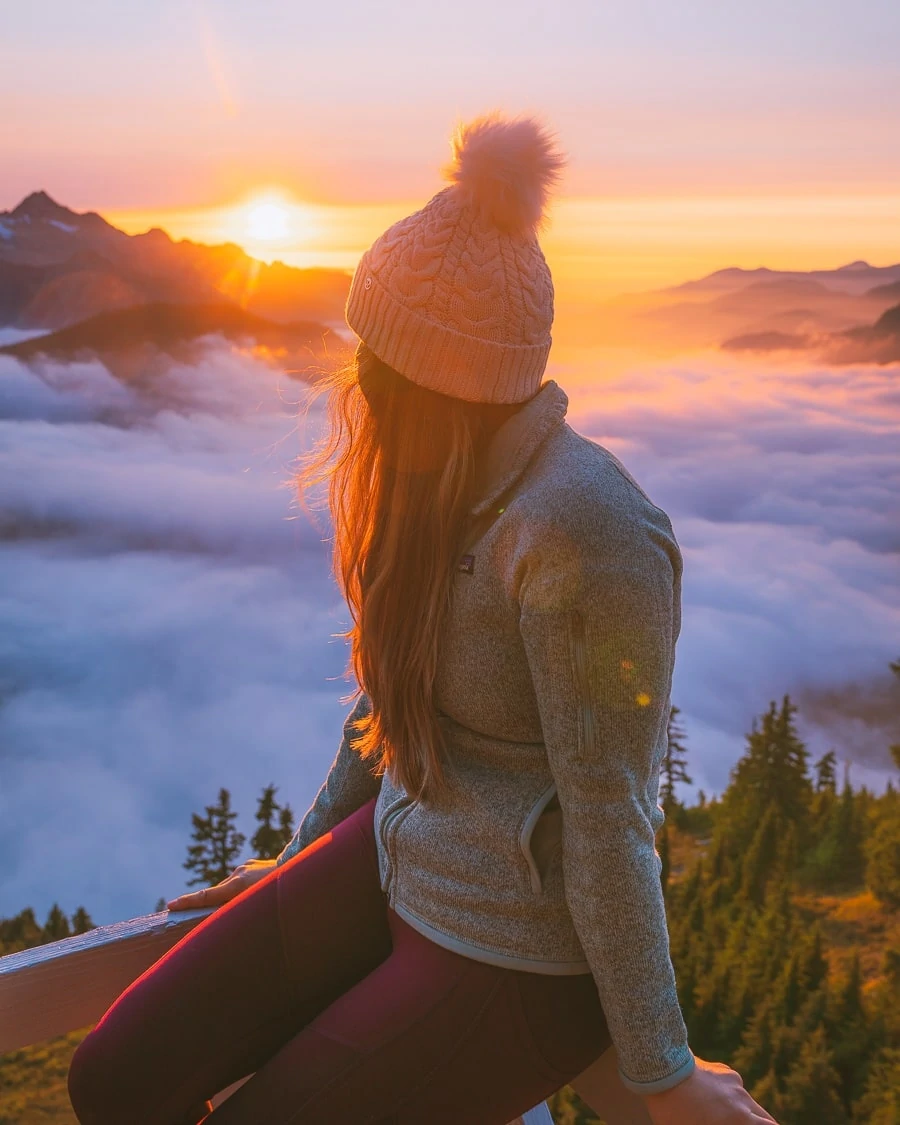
599	599
347	787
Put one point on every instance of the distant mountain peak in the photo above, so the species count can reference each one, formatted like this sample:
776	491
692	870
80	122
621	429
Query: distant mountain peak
859	264
39	205
153	235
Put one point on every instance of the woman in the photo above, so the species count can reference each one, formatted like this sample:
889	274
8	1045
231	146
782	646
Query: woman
470	913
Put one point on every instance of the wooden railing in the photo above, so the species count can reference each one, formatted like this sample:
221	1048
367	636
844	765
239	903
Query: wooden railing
63	985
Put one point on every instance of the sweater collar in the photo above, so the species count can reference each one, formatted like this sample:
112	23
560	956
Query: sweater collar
515	442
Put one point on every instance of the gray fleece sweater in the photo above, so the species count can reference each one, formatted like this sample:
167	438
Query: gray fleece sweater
554	693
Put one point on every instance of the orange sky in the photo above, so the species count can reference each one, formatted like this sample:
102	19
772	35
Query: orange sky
596	247
699	135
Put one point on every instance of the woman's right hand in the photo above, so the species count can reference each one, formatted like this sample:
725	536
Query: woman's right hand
713	1094
239	880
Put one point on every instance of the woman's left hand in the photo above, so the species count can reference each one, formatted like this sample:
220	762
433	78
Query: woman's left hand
713	1094
239	880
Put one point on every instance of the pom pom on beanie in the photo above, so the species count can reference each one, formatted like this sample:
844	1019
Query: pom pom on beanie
506	167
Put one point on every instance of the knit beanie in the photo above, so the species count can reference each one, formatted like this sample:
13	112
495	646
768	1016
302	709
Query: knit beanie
457	296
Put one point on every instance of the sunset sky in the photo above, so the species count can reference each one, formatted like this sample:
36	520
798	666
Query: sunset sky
699	135
172	621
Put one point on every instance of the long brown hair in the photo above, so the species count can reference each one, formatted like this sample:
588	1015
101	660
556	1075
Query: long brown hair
399	461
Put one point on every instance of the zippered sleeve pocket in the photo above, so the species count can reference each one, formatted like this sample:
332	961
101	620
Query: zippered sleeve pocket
586	718
605	681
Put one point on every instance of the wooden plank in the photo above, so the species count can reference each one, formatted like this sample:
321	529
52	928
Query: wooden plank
67	984
540	1115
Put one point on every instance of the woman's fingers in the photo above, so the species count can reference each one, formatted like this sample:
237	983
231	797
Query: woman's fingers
762	1115
242	877
207	896
191	901
758	1111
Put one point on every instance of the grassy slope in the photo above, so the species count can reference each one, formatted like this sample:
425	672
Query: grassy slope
33	1083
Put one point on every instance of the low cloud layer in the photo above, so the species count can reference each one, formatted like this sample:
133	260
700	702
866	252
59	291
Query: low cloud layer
783	485
168	620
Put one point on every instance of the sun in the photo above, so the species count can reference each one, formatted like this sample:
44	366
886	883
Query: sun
267	221
272	225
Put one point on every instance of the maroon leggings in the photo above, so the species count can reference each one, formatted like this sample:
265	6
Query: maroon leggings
340	1010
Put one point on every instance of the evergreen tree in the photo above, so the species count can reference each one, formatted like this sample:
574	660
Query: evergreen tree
674	765
826	773
848	838
21	932
821	809
758	862
850	1034
789	995
753	1059
880	1104
57	924
888	998
217	844
882	858
814	966
772	773
269	839
786	853
266	841
81	921
785	1053
810	1095
286	824
836	861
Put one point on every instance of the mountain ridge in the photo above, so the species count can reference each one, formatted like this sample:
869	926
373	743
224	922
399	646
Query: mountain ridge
60	267
40	232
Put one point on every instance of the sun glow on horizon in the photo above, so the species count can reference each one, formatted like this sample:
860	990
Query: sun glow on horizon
267	221
597	247
269	224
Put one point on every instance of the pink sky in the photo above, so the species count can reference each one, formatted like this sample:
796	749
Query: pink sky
701	134
698	135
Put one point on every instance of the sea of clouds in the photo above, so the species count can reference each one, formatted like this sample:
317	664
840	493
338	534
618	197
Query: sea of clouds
169	624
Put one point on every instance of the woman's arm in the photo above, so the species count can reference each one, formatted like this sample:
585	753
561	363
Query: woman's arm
599	597
349	785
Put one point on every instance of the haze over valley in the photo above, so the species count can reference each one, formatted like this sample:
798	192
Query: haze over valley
168	623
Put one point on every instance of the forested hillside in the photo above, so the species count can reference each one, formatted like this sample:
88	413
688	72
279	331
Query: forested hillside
783	897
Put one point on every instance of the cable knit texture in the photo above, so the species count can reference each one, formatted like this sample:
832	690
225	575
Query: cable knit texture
458	296
554	690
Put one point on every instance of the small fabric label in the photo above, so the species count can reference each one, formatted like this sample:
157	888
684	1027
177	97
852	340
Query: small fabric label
467	564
